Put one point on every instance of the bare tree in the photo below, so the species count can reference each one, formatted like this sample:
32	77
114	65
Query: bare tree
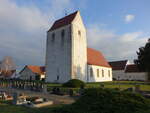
7	64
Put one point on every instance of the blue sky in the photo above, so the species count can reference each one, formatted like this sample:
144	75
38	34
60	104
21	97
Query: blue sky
115	27
109	12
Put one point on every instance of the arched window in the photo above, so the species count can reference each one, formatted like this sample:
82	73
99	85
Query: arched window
91	72
53	37
102	73
97	72
109	73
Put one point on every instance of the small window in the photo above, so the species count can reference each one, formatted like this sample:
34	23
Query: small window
102	73
53	37
91	72
97	72
79	33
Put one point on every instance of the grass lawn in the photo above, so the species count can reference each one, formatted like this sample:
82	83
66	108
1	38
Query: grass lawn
144	86
54	85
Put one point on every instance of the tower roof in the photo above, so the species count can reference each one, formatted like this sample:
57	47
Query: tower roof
63	21
95	57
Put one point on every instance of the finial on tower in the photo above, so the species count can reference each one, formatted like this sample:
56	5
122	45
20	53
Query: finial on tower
66	13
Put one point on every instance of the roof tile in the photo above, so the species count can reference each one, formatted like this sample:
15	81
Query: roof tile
95	57
37	69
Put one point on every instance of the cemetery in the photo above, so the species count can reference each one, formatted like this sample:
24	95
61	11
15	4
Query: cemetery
5	96
39	97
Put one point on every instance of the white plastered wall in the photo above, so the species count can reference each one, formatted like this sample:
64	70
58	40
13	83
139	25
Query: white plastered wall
95	78
79	49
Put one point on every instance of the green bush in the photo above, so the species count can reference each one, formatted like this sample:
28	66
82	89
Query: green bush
74	83
107	101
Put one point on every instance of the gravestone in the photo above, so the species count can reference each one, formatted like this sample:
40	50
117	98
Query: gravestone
44	88
4	96
15	98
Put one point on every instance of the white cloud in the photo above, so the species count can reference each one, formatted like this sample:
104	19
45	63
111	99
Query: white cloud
129	17
23	30
114	46
128	37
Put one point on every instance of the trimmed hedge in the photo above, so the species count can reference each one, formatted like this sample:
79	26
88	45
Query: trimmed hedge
74	83
107	101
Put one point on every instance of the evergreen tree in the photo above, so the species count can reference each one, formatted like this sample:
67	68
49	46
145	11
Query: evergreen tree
143	61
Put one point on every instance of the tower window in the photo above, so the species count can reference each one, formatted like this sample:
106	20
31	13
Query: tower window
79	33
62	37
57	77
53	37
63	33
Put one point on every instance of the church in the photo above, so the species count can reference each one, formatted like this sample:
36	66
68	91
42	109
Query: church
67	54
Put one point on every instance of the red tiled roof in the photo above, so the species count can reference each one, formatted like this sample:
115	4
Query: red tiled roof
63	21
37	69
95	57
118	65
132	68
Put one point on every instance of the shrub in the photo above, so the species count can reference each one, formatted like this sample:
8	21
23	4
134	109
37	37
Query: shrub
107	101
114	79
74	83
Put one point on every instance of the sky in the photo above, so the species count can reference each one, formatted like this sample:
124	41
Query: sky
117	28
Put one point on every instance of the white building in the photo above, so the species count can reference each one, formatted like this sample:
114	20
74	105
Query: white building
133	73
123	70
118	69
31	72
66	54
98	68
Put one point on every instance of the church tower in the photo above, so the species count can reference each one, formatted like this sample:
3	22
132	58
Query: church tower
66	50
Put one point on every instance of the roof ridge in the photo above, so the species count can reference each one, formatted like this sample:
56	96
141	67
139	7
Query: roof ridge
66	20
67	16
